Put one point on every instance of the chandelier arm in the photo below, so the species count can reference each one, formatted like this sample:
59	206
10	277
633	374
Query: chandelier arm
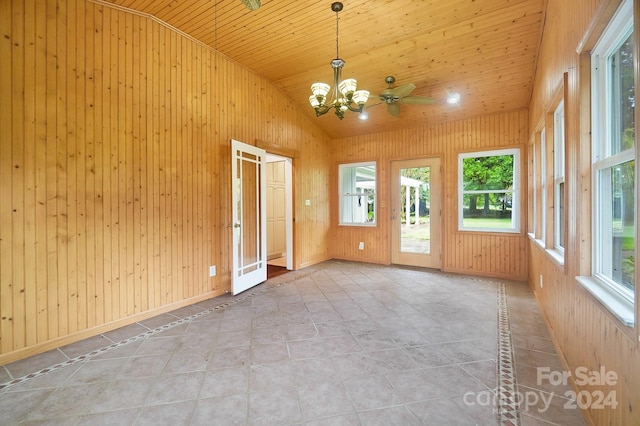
323	110
354	109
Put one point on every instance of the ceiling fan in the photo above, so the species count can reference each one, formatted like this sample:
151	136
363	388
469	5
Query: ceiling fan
394	96
252	4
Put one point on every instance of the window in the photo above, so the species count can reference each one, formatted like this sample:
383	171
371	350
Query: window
613	166
534	190
357	187
488	199
558	178
541	194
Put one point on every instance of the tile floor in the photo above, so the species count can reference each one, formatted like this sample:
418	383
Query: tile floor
338	343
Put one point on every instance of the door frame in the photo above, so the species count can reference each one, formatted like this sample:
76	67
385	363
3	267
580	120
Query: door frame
288	177
434	258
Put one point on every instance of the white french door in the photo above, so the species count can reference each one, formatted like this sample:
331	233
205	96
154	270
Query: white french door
415	212
248	171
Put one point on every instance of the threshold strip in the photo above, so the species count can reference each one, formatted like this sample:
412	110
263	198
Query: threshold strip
507	397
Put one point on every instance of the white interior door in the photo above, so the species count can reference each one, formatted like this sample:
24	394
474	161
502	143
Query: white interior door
415	212
248	170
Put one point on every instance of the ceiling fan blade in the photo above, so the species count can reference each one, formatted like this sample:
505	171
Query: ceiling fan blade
367	106
252	4
394	109
404	90
417	100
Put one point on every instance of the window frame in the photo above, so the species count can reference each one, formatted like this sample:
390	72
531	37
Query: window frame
559	144
342	194
618	300
543	187
533	189
515	191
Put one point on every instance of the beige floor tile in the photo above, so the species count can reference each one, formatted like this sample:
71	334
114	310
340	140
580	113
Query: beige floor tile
339	343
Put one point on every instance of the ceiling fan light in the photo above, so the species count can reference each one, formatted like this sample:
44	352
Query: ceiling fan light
348	86
320	89
361	96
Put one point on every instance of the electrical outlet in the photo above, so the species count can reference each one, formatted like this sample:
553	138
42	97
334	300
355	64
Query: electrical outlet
361	245
540	280
307	202
212	271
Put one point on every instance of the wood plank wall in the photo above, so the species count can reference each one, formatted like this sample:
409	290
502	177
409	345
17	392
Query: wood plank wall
585	333
489	254
115	169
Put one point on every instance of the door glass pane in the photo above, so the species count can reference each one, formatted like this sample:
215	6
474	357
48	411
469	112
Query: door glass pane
415	227
249	218
237	213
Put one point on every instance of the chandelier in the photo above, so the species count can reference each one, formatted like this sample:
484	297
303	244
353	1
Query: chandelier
344	95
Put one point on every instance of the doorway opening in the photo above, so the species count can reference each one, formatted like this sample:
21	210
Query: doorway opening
279	215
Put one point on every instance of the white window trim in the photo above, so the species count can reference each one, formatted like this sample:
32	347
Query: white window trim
617	304
515	191
556	256
341	194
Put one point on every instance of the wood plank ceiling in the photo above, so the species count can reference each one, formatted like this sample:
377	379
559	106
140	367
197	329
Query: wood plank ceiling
485	50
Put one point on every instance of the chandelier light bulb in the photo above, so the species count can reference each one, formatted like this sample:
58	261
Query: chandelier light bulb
320	89
348	86
313	100
361	96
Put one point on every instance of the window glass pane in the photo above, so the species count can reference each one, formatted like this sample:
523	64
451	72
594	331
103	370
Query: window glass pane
488	173
558	140
560	236
617	222
623	97
487	210
358	208
357	198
